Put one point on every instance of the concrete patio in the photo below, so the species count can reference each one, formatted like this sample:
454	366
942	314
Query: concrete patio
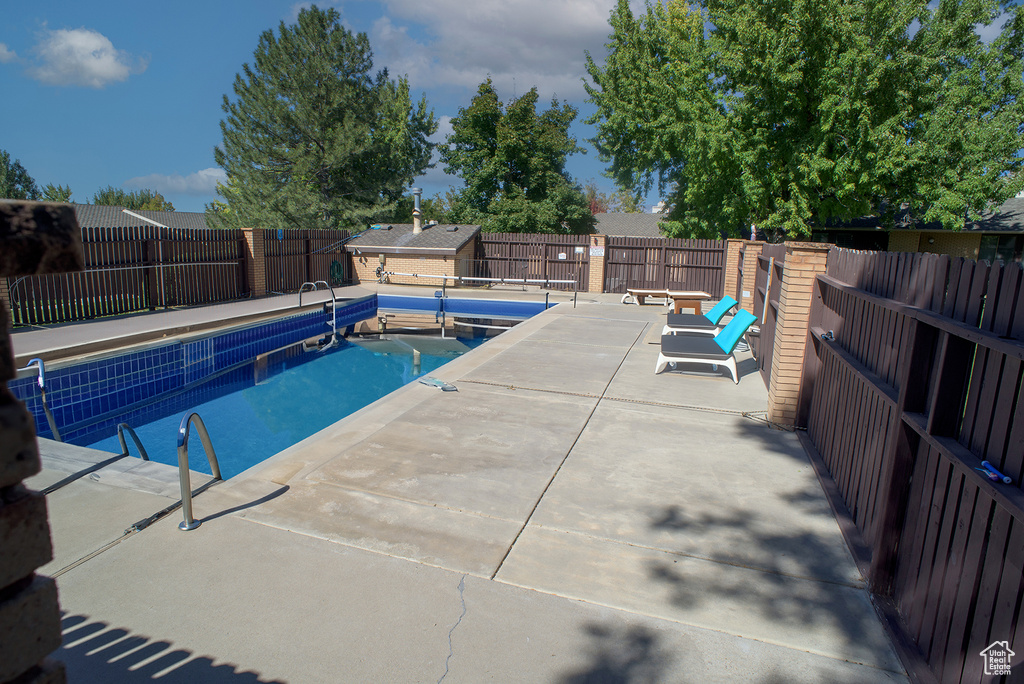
566	516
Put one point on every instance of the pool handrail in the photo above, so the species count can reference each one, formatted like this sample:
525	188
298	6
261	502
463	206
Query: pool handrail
334	301
191	417
121	427
41	381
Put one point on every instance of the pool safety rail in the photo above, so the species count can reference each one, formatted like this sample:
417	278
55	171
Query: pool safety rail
508	281
125	427
41	381
190	523
313	286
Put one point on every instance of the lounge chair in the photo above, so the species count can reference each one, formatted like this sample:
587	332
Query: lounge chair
701	349
699	323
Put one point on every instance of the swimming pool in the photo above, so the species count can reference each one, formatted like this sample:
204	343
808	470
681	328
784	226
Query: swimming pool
240	373
263	406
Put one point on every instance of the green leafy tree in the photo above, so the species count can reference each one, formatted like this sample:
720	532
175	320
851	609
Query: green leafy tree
512	162
620	201
312	139
15	183
144	199
791	114
56	193
432	209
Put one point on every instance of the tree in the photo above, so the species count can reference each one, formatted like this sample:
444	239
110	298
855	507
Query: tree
56	193
791	114
312	139
620	201
145	199
15	183
512	162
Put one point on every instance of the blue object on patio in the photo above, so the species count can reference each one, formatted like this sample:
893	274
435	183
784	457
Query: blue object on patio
701	349
699	323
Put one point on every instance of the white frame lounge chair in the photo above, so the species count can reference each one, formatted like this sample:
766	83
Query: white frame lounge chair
701	349
706	324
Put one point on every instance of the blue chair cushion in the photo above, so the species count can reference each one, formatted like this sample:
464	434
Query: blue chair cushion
720	309
727	338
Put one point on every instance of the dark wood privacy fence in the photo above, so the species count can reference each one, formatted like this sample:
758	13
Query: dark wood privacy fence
294	257
533	256
135	269
917	381
140	269
664	263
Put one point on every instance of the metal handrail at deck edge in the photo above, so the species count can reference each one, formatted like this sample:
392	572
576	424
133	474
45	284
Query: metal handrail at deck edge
189	522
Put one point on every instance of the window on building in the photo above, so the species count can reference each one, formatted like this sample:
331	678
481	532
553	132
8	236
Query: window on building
1007	248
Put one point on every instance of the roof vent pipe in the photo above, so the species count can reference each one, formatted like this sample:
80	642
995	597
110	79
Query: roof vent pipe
417	216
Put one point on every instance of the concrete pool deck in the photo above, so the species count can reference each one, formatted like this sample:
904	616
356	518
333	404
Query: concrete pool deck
566	516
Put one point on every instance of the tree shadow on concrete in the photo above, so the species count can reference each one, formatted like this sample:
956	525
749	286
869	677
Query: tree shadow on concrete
799	578
94	652
622	655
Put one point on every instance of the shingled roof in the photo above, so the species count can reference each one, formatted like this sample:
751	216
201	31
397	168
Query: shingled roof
102	216
1009	219
622	224
396	238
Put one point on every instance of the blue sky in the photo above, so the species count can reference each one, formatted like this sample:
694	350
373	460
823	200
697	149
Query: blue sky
129	94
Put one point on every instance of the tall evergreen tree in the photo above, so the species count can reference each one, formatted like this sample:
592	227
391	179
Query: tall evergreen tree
791	113
15	183
312	139
56	193
512	161
144	199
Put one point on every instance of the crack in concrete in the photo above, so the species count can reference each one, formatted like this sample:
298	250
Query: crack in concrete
462	598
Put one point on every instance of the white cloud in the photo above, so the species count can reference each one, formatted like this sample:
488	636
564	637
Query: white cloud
444	129
199	183
6	54
518	44
82	57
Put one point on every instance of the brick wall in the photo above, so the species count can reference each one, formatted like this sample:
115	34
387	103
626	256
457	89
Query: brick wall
256	266
37	238
366	265
599	243
954	244
804	261
751	251
903	240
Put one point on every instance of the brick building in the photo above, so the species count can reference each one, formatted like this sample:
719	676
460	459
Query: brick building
440	249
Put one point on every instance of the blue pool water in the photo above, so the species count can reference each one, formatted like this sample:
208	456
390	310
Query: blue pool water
235	380
257	409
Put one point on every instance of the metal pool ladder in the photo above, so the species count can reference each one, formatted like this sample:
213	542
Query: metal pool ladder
41	381
191	523
334	302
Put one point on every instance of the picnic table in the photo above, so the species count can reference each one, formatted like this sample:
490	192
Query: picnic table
680	299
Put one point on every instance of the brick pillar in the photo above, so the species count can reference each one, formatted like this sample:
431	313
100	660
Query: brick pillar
255	261
598	249
37	238
804	261
731	279
751	251
5	292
